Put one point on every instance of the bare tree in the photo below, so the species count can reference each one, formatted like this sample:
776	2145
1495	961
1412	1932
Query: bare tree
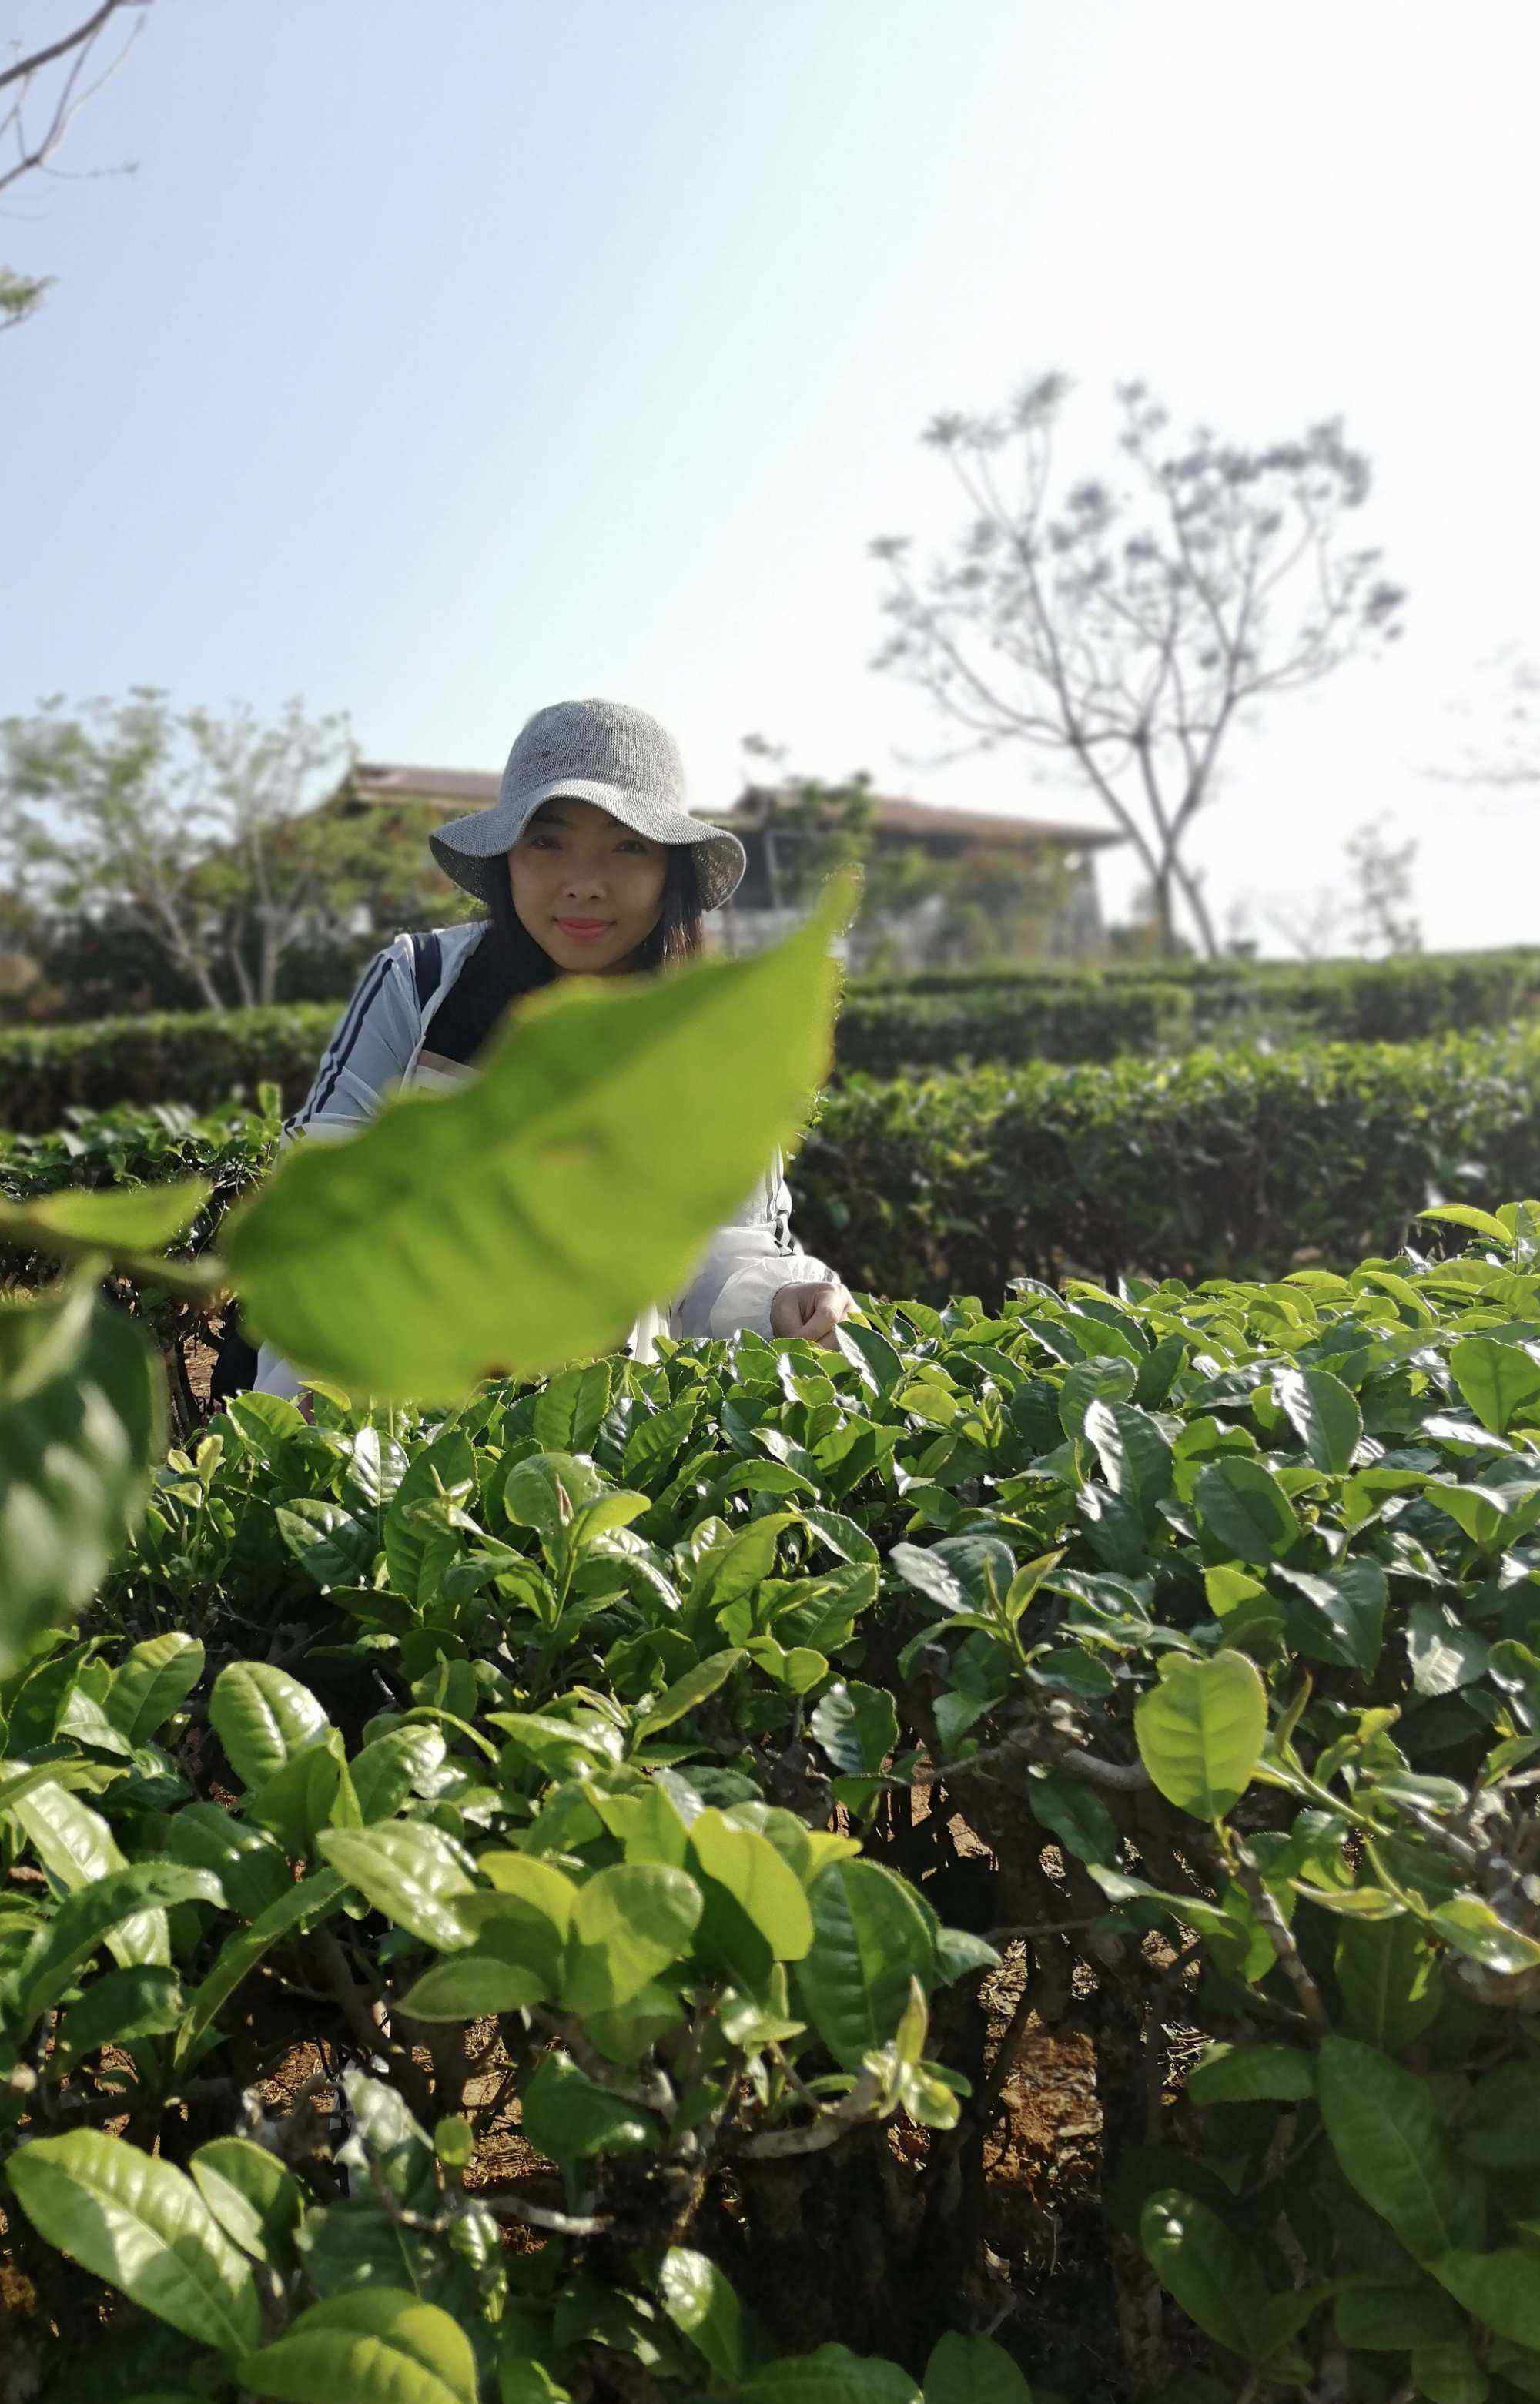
199	833
1367	914
1311	924
19	295
1384	923
1132	646
1507	759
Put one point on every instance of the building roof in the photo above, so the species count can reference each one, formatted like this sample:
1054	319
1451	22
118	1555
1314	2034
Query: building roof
460	789
896	815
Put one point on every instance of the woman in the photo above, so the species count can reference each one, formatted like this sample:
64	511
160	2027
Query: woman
589	865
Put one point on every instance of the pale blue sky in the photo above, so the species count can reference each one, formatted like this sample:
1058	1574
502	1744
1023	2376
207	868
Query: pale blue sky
438	363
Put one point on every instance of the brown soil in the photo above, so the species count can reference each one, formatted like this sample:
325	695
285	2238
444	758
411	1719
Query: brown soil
200	1359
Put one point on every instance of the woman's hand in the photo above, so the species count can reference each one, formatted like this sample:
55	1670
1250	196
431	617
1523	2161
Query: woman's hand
811	1311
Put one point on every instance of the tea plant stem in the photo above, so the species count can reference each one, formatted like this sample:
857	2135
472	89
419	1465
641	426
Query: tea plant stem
1026	1747
1157	2050
1027	1928
1280	1938
540	2215
834	2120
654	2094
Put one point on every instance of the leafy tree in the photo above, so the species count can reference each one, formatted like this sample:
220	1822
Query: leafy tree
989	903
194	831
817	827
1131	644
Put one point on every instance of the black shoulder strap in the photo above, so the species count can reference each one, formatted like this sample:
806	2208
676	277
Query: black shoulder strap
428	967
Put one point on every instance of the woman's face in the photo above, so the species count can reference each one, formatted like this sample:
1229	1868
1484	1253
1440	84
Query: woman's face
586	888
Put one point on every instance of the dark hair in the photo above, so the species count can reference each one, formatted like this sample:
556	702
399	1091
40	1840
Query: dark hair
507	961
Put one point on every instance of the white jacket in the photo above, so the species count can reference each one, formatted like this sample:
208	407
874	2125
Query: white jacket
378	1046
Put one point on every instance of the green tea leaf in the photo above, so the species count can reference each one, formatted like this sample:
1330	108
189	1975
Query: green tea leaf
130	1218
570	1408
1217	2281
1465	1215
410	1871
1244	1508
153	1681
870	1939
528	1918
392	1767
738	1567
253	2196
688	1693
1250	2073
628	1922
1324	1413
102	1913
1472	1928
471	1985
1387	2319
1496	1379
700	2301
140	2225
249	1865
263	1717
973	2370
1498	2125
311	1898
569	2116
1450	2373
750	1876
1076	1815
121	2005
1498	2288
832	2375
855	1724
1384	2129
1389	1978
1199	1731
76	1846
378	2345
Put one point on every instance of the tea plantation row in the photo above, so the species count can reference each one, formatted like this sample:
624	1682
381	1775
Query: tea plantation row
935	1020
1232	1161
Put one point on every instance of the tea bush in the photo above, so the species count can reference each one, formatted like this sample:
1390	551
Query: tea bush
615	1794
547	1897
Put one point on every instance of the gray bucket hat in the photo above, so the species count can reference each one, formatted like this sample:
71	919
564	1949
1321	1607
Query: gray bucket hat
597	751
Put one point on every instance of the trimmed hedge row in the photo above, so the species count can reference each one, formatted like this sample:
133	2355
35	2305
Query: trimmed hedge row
199	1059
1367	1001
203	1060
1235	1163
937	1020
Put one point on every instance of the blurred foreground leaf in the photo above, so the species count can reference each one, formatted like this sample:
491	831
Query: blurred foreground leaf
82	1418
